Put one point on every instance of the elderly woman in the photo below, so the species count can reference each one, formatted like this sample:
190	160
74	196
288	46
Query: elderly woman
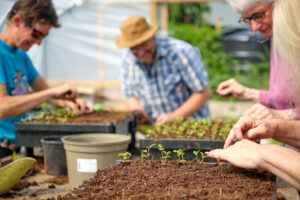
277	101
281	161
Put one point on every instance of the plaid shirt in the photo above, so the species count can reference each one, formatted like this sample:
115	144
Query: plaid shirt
176	73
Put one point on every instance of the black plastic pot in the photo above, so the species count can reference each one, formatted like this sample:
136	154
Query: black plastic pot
54	155
242	45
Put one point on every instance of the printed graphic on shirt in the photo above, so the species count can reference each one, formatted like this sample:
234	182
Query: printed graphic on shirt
21	85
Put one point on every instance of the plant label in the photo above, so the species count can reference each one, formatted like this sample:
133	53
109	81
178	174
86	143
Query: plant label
86	165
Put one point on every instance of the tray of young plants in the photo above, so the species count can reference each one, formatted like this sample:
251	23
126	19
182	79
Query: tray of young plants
64	122
174	179
190	134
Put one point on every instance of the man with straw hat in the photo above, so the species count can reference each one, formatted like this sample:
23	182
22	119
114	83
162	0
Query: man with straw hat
161	78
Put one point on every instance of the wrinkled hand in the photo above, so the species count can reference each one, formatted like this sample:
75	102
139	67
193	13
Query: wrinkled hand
259	111
79	106
231	88
164	118
84	107
252	129
244	154
65	92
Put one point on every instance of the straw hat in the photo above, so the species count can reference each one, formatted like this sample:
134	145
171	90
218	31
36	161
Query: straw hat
135	30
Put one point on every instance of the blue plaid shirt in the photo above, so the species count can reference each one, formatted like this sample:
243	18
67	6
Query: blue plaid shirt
176	73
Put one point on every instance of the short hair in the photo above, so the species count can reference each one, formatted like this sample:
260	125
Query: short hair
35	11
243	5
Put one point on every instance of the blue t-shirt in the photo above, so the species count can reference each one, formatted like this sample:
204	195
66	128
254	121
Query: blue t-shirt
16	73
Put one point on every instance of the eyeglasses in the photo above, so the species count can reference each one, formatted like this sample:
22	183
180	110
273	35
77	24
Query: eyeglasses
36	34
141	46
257	17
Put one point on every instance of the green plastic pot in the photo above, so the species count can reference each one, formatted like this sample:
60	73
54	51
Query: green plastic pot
11	173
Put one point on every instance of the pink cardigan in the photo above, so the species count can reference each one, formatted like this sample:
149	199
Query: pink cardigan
281	93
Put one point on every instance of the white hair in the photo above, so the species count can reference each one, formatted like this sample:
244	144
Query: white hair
241	6
286	36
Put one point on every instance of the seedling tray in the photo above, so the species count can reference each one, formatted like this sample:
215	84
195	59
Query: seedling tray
189	144
28	134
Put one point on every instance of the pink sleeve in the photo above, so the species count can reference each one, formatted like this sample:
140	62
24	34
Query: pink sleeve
264	98
296	114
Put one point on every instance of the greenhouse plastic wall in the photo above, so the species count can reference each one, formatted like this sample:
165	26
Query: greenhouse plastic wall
83	48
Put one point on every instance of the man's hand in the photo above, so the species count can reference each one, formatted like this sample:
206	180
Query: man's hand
244	154
259	111
252	129
164	118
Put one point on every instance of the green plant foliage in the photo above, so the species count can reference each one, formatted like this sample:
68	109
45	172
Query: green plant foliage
192	129
218	63
190	13
146	152
196	153
180	154
125	156
58	114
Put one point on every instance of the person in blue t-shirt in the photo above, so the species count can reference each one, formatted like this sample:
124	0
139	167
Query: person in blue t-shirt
28	22
161	78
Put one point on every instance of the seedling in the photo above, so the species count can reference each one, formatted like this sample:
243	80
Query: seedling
180	153
202	156
125	156
196	153
147	151
164	154
144	154
161	149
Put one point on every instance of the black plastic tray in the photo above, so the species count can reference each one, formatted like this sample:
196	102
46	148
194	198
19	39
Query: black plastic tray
28	134
189	144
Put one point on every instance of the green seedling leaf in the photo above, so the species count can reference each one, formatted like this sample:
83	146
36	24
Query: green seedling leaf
97	107
125	156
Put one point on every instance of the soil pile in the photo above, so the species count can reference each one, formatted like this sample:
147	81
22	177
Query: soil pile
173	180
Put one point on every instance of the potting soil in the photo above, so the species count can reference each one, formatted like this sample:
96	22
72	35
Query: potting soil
153	179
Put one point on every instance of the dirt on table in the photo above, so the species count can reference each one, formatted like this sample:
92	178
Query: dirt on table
153	179
97	117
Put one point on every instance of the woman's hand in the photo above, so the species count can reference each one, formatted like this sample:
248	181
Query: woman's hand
244	154
252	129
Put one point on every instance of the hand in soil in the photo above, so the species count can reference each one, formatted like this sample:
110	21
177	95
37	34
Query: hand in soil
83	107
244	154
